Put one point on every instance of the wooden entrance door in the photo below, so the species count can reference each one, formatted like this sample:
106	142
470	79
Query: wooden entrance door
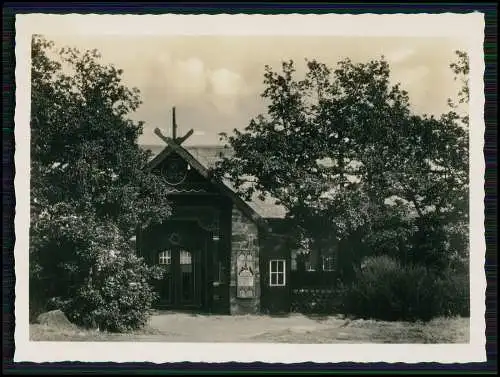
275	275
183	257
180	286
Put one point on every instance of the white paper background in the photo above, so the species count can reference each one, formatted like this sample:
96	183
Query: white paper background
470	27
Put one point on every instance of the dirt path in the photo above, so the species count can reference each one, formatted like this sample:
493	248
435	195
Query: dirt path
295	328
298	328
246	328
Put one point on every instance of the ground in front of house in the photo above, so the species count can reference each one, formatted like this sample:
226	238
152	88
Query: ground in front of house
295	328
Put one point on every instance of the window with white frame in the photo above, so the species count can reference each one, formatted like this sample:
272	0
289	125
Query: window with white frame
165	257
328	263
185	257
277	273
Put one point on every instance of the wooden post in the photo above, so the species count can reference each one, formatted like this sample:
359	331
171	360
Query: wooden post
174	125
174	139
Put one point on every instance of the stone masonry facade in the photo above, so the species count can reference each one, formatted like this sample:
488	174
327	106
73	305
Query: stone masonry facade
244	244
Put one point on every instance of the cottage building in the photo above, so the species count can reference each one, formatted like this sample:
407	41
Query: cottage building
221	254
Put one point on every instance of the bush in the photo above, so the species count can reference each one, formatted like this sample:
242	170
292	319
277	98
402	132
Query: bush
118	297
87	269
452	289
387	290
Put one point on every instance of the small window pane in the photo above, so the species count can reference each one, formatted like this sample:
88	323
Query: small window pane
281	266
274	266
281	279
164	257
277	272
328	263
274	279
185	257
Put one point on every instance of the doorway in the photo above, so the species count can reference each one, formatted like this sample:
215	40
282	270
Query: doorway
181	251
275	275
181	281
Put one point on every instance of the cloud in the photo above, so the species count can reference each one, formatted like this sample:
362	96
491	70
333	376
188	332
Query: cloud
227	87
399	56
216	81
164	59
189	77
225	105
226	83
412	78
420	82
416	74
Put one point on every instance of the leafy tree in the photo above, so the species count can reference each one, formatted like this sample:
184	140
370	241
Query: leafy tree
89	191
441	180
461	70
343	152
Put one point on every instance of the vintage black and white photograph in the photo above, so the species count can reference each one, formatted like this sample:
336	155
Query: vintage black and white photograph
248	188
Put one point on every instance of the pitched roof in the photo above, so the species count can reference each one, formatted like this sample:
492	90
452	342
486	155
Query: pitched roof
206	157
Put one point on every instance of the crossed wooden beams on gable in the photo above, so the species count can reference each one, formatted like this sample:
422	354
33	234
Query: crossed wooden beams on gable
174	145
174	139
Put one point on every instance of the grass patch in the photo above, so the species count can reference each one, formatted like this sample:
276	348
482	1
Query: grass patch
49	333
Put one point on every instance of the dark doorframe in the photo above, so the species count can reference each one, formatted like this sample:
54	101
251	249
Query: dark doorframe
182	283
275	262
181	248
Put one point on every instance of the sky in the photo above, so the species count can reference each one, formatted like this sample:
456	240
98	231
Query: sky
215	82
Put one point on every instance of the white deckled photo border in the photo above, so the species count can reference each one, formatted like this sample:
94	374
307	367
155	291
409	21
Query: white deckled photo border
470	27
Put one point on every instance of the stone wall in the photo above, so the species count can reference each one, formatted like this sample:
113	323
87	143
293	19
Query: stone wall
245	247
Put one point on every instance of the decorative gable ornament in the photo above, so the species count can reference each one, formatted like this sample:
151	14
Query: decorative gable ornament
175	170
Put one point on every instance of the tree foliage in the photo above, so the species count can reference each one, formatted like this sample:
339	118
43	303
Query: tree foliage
89	191
461	70
343	151
386	289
